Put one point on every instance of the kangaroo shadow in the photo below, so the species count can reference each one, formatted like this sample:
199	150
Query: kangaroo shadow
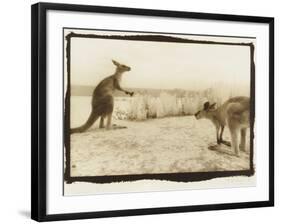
97	130
220	148
116	127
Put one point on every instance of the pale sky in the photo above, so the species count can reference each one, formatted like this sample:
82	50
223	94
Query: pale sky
160	65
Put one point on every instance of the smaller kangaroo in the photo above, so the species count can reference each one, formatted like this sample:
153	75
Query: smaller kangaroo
235	113
102	99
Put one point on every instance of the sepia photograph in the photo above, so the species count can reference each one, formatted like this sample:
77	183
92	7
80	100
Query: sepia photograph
157	106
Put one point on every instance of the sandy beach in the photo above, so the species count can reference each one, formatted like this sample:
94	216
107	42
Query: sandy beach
166	145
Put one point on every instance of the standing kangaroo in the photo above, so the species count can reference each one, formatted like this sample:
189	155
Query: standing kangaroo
102	99
235	113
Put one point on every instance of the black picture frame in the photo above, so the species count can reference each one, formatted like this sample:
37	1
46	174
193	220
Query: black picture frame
39	110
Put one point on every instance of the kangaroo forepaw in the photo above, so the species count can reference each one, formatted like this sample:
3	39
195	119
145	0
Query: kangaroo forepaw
129	93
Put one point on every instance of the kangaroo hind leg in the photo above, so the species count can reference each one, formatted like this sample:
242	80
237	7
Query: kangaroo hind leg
109	124
242	145
233	129
101	122
234	138
109	120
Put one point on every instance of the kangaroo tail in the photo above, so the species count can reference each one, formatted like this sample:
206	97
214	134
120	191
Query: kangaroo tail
91	120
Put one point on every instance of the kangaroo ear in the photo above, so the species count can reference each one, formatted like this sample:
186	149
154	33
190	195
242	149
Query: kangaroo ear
206	105
115	62
212	106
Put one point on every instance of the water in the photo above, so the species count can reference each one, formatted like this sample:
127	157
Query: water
81	108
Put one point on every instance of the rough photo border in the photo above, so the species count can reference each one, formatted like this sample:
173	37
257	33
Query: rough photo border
154	37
